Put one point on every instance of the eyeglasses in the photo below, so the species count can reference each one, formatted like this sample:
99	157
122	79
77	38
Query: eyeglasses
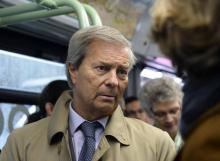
162	115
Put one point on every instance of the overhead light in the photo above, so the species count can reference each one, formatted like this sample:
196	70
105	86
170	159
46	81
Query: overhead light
153	74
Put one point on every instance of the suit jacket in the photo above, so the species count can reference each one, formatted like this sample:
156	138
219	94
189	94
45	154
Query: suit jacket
203	142
124	139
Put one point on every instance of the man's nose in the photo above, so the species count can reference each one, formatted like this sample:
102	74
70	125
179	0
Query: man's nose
168	117
112	79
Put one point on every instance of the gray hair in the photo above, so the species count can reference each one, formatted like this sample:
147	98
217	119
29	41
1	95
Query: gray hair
81	40
159	90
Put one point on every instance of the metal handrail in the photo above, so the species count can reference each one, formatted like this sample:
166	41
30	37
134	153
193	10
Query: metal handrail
48	8
94	16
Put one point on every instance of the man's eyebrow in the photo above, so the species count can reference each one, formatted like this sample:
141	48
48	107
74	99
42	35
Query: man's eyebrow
104	63
175	108
101	63
122	66
125	67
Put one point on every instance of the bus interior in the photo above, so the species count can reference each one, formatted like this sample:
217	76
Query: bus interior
33	51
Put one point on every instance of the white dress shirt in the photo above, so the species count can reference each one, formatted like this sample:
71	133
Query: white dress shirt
75	120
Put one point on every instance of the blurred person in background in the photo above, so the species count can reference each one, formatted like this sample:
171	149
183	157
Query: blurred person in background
163	98
48	98
188	32
133	109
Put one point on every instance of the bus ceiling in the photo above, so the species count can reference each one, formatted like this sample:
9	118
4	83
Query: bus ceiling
47	20
44	21
48	8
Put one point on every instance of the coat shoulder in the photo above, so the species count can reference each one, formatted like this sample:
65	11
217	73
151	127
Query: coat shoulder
148	132
145	128
152	139
30	131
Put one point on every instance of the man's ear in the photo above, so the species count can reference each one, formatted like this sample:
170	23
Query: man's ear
49	108
73	73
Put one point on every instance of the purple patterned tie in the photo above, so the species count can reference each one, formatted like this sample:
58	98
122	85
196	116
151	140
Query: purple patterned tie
88	148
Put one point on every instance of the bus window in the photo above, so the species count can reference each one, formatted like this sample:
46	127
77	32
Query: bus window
27	73
13	116
21	80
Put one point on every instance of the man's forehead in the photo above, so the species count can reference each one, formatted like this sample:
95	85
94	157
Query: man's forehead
120	64
110	54
166	105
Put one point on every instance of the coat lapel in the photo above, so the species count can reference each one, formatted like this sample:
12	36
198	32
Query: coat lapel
116	128
65	154
59	119
102	148
58	125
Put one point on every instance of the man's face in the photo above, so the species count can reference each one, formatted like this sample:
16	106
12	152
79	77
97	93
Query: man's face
167	116
100	80
134	110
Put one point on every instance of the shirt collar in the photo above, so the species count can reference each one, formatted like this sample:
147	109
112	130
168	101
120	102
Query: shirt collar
75	120
58	122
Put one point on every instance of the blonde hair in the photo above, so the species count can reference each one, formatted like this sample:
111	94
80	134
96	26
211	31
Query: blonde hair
185	13
188	32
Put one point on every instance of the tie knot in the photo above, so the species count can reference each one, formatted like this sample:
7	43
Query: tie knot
89	128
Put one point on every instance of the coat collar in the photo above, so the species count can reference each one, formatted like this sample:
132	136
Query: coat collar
117	127
58	124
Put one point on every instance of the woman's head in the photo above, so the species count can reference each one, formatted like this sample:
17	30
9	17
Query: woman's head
188	32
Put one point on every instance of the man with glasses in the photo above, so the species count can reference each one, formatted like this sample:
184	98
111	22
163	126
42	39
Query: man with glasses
163	98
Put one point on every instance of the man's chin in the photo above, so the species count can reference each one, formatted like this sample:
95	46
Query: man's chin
172	133
107	110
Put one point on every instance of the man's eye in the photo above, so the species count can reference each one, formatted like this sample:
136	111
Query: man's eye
173	111
159	114
122	73
102	68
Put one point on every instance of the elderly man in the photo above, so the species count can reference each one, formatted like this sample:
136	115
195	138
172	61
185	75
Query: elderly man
87	123
163	98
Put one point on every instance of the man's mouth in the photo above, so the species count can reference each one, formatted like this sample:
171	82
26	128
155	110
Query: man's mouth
107	97
169	126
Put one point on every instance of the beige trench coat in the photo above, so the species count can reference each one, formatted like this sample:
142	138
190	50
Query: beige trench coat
124	139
